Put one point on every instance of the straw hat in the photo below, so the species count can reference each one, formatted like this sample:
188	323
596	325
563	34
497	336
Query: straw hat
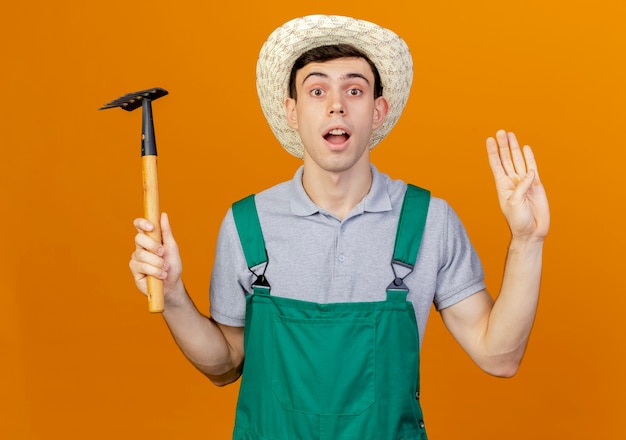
388	52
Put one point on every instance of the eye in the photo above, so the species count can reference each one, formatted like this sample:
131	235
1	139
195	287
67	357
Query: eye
316	92
355	92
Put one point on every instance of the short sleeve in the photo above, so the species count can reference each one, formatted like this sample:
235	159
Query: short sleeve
461	273
230	278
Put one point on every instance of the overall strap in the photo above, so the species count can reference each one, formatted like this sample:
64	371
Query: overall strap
251	238
409	234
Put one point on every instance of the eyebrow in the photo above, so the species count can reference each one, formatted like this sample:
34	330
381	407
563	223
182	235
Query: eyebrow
346	76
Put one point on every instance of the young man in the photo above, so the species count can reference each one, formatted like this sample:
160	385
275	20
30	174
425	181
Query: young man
329	277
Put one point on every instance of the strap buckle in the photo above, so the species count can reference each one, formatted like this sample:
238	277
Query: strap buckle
398	281
261	281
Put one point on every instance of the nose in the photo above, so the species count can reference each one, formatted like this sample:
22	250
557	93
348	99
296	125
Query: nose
336	105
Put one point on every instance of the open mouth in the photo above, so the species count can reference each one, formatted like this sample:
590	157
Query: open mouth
337	136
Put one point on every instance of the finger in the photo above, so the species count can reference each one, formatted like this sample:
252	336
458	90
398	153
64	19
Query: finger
494	159
138	277
531	163
145	263
516	154
143	241
523	187
143	225
505	153
144	256
133	264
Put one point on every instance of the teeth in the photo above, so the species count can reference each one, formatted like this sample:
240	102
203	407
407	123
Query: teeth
337	132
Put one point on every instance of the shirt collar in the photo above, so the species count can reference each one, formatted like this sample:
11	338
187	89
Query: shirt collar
377	200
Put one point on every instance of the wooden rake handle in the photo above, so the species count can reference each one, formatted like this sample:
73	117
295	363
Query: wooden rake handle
153	214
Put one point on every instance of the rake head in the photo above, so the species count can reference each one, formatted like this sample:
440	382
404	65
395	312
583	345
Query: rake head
131	101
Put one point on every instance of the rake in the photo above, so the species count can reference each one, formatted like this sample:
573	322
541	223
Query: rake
130	102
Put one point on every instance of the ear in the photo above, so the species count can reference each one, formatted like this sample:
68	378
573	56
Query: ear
292	115
381	108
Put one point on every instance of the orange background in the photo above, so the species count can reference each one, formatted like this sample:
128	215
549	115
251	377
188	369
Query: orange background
82	357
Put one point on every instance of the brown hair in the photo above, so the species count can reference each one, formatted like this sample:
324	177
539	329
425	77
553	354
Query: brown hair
331	52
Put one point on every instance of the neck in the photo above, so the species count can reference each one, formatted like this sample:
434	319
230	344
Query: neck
337	192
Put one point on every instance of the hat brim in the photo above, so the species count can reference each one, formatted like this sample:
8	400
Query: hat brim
386	50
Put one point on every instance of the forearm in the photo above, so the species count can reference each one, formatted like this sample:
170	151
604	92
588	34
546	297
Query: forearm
513	313
201	340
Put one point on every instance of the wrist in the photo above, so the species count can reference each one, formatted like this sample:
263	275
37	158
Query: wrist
176	296
526	244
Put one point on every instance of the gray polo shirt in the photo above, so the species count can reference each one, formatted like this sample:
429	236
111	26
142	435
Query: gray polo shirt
315	256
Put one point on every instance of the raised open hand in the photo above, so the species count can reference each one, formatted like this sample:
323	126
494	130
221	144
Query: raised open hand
521	194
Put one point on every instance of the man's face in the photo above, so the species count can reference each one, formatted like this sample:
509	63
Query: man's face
335	112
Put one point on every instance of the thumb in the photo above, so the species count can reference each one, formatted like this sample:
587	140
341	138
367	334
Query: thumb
524	185
166	230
